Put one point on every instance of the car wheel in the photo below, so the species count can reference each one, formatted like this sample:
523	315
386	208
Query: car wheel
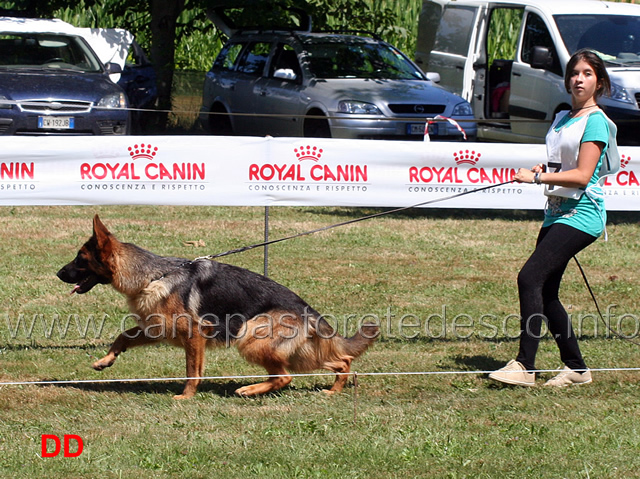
219	122
316	127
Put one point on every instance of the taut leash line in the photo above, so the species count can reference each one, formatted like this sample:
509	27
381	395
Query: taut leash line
348	222
595	301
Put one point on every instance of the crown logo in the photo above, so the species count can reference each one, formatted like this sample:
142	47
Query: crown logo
624	161
466	156
312	153
142	151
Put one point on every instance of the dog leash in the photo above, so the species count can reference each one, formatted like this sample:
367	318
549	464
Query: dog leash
404	208
595	301
355	220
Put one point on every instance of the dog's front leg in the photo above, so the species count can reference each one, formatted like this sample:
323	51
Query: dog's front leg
130	338
194	350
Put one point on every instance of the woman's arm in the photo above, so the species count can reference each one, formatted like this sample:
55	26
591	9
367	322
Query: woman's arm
578	177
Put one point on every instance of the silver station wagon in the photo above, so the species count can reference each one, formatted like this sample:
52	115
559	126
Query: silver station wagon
304	84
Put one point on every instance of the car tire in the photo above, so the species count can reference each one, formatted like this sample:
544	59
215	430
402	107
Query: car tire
219	122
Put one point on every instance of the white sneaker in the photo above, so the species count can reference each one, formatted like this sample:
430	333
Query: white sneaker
569	377
514	373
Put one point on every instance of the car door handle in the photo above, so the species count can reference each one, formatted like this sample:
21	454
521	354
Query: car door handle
263	92
516	74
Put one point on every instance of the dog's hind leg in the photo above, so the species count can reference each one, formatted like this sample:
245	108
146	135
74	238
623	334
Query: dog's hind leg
280	378
130	338
342	367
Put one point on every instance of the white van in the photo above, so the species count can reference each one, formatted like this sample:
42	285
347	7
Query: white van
507	58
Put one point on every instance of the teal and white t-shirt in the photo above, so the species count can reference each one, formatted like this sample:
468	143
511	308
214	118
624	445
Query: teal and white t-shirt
586	212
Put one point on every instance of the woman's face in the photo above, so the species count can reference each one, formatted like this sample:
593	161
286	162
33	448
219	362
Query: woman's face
583	81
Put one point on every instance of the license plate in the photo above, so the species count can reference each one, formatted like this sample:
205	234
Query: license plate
56	122
418	129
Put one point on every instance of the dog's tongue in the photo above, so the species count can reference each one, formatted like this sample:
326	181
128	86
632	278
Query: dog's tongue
75	288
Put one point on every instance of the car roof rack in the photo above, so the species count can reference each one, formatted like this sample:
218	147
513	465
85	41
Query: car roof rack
343	31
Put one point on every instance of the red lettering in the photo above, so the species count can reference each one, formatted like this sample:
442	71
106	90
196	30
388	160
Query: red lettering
290	174
44	439
438	172
299	173
484	178
362	173
198	171
181	171
112	169
312	172
474	178
67	449
124	172
147	171
253	172
328	174
85	171
164	173
99	171
263	172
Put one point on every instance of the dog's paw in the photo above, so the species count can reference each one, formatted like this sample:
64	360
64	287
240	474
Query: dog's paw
180	397
102	364
329	392
244	391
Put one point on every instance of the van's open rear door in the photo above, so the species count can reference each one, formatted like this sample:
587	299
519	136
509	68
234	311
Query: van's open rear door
452	51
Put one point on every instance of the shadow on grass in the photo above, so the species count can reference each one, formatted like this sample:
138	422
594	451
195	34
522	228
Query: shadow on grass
478	363
172	388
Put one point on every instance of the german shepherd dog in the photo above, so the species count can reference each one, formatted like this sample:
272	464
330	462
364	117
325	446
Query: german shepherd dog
200	303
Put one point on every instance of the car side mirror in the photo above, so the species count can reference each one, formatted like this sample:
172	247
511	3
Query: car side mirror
285	74
113	68
541	58
434	77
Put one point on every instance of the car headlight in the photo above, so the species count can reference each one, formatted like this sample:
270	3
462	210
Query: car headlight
114	100
462	109
619	93
5	103
358	107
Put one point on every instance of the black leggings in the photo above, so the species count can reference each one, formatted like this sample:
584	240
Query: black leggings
538	286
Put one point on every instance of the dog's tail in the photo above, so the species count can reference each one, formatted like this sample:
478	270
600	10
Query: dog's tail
359	342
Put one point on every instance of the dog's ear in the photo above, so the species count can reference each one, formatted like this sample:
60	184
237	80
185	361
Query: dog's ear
101	233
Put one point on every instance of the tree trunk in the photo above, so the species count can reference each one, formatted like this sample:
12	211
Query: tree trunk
164	14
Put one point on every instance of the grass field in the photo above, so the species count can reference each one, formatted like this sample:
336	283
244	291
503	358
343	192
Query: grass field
410	271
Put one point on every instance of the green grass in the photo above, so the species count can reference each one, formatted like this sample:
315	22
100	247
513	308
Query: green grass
451	423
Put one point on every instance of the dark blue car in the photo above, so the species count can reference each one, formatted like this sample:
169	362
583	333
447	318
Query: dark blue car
52	83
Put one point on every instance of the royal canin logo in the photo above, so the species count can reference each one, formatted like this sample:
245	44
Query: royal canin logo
469	157
148	170
142	151
311	171
312	153
456	175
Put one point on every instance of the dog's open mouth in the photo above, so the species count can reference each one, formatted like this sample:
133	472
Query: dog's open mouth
85	285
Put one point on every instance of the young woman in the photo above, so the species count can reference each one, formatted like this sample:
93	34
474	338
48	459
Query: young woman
574	218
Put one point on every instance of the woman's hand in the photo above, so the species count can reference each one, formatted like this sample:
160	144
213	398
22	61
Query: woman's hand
524	176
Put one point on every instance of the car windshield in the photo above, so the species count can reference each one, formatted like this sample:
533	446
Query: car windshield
359	60
46	51
615	37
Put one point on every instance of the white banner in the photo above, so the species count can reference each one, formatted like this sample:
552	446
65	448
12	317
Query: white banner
248	171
